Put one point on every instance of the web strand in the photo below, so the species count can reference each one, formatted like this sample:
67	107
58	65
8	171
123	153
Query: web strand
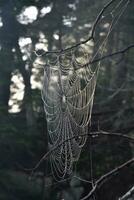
68	94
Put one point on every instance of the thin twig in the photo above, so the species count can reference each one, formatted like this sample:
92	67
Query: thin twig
91	37
105	177
92	134
122	51
128	195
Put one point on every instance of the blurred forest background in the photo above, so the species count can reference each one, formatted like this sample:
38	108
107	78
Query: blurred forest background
29	25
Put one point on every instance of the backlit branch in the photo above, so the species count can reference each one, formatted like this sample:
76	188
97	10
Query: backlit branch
105	177
91	37
128	195
120	52
92	134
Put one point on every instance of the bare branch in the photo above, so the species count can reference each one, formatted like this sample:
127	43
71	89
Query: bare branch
92	134
122	51
105	177
91	37
128	195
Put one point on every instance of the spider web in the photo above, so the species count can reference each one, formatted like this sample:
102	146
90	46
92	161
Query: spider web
68	92
68	99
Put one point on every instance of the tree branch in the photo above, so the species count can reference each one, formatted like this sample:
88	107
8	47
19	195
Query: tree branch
92	134
91	37
129	194
105	177
122	51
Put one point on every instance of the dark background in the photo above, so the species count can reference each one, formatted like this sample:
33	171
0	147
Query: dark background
23	132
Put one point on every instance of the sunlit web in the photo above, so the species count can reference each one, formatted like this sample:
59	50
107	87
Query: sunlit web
68	93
